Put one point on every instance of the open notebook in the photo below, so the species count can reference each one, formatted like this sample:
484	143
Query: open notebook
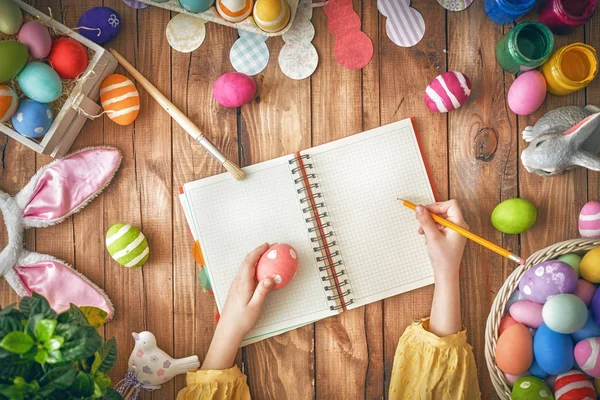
337	205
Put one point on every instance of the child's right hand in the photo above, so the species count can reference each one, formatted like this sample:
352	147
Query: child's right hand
445	246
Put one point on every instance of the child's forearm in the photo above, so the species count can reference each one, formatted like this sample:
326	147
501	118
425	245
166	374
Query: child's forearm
445	311
223	349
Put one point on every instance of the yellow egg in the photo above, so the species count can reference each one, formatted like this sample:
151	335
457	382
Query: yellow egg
590	266
271	15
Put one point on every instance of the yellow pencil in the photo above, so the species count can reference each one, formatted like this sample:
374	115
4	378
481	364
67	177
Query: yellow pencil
469	235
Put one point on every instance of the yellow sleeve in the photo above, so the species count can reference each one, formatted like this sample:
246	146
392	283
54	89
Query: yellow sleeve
226	384
430	367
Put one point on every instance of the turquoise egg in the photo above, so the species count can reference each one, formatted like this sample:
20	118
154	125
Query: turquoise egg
565	313
40	82
196	6
11	17
13	57
32	119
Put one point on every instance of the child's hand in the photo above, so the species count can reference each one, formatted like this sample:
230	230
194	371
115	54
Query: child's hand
445	246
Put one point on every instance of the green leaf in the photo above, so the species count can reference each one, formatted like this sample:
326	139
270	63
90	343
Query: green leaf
106	357
17	342
54	343
83	385
6	310
30	326
112	394
36	304
102	381
44	329
96	317
55	357
73	316
13	392
41	357
59	378
80	341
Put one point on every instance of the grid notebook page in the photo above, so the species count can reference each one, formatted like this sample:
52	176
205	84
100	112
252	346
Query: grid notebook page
361	178
231	218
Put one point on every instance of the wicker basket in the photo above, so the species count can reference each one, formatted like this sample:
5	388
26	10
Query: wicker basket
509	286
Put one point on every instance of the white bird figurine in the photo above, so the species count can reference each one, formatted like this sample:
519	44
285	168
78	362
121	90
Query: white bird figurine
153	366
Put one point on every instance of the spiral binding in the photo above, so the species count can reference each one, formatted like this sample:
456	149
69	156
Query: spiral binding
321	231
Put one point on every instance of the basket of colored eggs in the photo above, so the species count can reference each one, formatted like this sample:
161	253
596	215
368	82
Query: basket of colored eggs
543	332
50	77
263	17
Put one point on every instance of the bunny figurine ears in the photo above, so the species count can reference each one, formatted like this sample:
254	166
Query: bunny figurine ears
57	191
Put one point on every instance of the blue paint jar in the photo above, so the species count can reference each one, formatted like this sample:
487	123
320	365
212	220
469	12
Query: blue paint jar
507	11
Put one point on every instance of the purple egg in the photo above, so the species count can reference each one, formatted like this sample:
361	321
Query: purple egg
99	24
548	279
596	306
37	39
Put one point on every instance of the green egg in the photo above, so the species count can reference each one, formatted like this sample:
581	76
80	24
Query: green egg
573	260
514	216
127	245
11	17
13	57
531	388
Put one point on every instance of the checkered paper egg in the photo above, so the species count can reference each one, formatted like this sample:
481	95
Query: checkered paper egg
127	245
447	92
8	103
120	99
573	385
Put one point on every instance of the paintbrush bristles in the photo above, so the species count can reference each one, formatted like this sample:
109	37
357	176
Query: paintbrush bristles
234	170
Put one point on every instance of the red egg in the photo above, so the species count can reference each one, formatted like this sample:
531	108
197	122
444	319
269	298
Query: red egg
68	57
279	262
505	322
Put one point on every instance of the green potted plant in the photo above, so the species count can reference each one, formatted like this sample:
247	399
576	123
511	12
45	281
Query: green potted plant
44	355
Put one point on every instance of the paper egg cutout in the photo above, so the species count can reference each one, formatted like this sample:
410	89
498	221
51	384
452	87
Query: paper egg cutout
553	351
32	119
514	350
37	39
505	323
573	385
588	357
127	245
8	103
196	6
527	93
185	33
13	57
530	388
589	220
585	291
564	313
234	89
120	99
40	82
279	262
590	329
447	92
271	15
589	268
527	313
68	57
104	23
11	17
546	279
234	10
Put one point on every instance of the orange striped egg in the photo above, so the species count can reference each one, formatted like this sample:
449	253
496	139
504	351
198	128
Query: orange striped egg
271	15
120	99
8	103
234	10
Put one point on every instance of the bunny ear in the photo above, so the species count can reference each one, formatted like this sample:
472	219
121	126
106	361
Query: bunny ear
584	129
58	283
66	185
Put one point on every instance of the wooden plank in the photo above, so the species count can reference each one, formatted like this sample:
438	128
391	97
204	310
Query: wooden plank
592	33
276	124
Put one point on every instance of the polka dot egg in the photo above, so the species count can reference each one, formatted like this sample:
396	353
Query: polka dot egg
127	245
120	99
447	92
531	388
573	385
32	119
589	220
279	262
8	103
587	357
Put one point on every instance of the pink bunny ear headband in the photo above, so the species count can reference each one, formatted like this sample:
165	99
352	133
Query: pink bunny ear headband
55	192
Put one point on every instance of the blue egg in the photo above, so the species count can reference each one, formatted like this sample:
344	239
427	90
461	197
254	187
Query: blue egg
553	351
40	82
590	329
32	119
104	23
196	6
536	370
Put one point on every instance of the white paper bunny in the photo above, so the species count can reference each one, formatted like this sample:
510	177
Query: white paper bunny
55	192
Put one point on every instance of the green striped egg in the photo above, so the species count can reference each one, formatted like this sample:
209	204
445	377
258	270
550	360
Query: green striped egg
127	245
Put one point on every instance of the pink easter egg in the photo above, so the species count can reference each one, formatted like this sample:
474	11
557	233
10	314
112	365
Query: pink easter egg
585	291
37	39
589	220
528	313
447	92
527	93
511	379
279	262
505	322
234	89
588	357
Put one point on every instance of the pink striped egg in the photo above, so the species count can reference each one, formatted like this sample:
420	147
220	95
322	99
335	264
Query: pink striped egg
588	357
573	385
447	92
589	220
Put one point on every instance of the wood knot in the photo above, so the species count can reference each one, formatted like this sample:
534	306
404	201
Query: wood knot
485	144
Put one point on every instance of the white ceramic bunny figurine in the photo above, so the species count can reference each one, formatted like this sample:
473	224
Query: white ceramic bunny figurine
56	191
563	139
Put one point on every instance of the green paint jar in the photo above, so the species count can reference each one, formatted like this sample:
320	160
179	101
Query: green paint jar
527	46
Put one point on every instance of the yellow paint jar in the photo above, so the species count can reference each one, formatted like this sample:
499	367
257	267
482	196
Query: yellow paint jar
570	68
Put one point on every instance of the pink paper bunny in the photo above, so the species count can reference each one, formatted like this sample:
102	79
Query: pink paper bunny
56	191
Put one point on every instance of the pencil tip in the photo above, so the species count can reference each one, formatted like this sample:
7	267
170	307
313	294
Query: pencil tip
522	262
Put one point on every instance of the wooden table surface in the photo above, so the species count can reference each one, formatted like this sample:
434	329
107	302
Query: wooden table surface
344	357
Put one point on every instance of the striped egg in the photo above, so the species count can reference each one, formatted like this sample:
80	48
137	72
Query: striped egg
127	245
8	103
588	357
271	15
234	10
573	385
589	220
120	99
447	92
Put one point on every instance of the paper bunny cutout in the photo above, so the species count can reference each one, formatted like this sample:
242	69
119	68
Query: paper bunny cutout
405	26
563	139
55	192
249	54
298	58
